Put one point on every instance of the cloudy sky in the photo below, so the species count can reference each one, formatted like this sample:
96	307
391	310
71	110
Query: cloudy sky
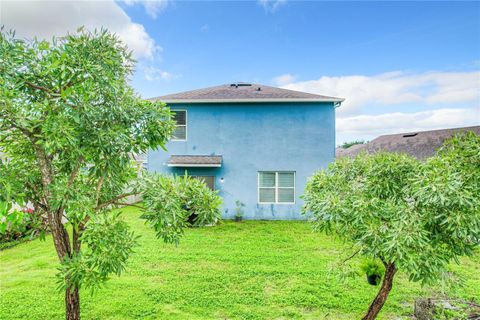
402	66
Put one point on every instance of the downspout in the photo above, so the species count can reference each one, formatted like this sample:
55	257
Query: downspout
336	105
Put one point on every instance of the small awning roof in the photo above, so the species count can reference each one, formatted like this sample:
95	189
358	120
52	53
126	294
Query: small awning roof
202	161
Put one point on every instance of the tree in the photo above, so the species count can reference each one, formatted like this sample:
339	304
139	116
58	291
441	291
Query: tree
348	144
69	124
413	216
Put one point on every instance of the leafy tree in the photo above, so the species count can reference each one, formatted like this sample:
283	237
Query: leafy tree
348	144
69	124
413	216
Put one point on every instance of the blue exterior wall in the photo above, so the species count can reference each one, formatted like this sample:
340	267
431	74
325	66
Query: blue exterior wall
254	137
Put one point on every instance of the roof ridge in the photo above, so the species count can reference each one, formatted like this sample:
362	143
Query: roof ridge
239	92
425	131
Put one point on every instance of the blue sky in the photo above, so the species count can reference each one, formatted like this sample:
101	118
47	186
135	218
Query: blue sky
207	43
402	66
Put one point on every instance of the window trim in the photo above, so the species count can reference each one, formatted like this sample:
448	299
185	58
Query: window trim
181	125
276	187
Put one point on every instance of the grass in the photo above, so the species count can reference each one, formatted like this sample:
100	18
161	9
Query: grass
248	270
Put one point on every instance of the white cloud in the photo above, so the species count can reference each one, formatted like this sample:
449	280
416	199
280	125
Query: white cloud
393	88
369	126
284	79
44	19
271	5
152	7
152	74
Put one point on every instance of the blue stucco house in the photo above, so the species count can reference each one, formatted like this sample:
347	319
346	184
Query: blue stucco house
253	143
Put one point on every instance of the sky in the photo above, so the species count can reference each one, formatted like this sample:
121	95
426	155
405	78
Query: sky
401	66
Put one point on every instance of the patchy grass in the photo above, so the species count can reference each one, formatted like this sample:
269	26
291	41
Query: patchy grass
248	270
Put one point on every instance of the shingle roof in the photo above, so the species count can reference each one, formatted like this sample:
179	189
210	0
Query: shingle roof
195	161
351	151
244	92
421	144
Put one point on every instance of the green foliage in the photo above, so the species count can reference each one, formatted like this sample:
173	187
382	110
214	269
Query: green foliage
372	267
392	207
171	200
108	244
69	124
348	144
15	223
446	192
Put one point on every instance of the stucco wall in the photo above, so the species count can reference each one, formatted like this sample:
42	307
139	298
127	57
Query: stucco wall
296	137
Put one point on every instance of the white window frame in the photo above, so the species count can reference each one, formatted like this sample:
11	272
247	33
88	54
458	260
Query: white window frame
182	125
276	187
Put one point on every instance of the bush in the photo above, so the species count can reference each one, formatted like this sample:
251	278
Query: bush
175	202
18	225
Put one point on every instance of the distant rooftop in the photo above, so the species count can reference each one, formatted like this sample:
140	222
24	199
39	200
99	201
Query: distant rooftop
244	92
421	144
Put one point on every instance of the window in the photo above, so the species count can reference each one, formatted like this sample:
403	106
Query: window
180	117
276	187
208	180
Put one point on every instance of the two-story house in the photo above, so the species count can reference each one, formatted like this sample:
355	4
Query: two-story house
253	143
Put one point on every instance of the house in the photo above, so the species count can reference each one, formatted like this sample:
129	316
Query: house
421	145
253	143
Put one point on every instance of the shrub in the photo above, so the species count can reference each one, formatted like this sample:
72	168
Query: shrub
175	202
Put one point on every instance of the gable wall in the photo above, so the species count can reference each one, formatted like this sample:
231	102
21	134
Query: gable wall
255	137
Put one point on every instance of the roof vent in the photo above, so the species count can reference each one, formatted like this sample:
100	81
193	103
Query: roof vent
259	89
240	84
410	135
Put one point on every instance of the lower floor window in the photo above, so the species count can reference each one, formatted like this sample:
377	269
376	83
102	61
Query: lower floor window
208	180
276	187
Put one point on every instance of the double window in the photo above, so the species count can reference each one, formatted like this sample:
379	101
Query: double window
276	187
180	117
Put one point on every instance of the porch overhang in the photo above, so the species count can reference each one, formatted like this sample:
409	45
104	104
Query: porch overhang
195	161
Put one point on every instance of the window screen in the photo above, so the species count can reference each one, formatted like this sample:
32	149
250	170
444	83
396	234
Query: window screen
276	187
180	117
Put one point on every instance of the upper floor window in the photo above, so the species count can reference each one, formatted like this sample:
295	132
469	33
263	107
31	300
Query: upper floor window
180	117
276	187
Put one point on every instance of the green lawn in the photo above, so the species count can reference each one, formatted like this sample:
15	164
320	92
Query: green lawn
249	270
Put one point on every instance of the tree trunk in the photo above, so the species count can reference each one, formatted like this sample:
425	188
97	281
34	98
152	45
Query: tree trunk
72	304
382	294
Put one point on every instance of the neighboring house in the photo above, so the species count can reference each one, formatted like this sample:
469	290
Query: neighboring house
421	145
141	164
253	143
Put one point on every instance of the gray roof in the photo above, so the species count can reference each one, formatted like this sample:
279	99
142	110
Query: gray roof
243	92
351	151
195	161
421	144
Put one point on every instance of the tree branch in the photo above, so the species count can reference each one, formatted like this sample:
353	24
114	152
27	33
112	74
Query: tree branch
112	201
99	188
74	173
70	181
128	204
38	87
351	257
72	83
